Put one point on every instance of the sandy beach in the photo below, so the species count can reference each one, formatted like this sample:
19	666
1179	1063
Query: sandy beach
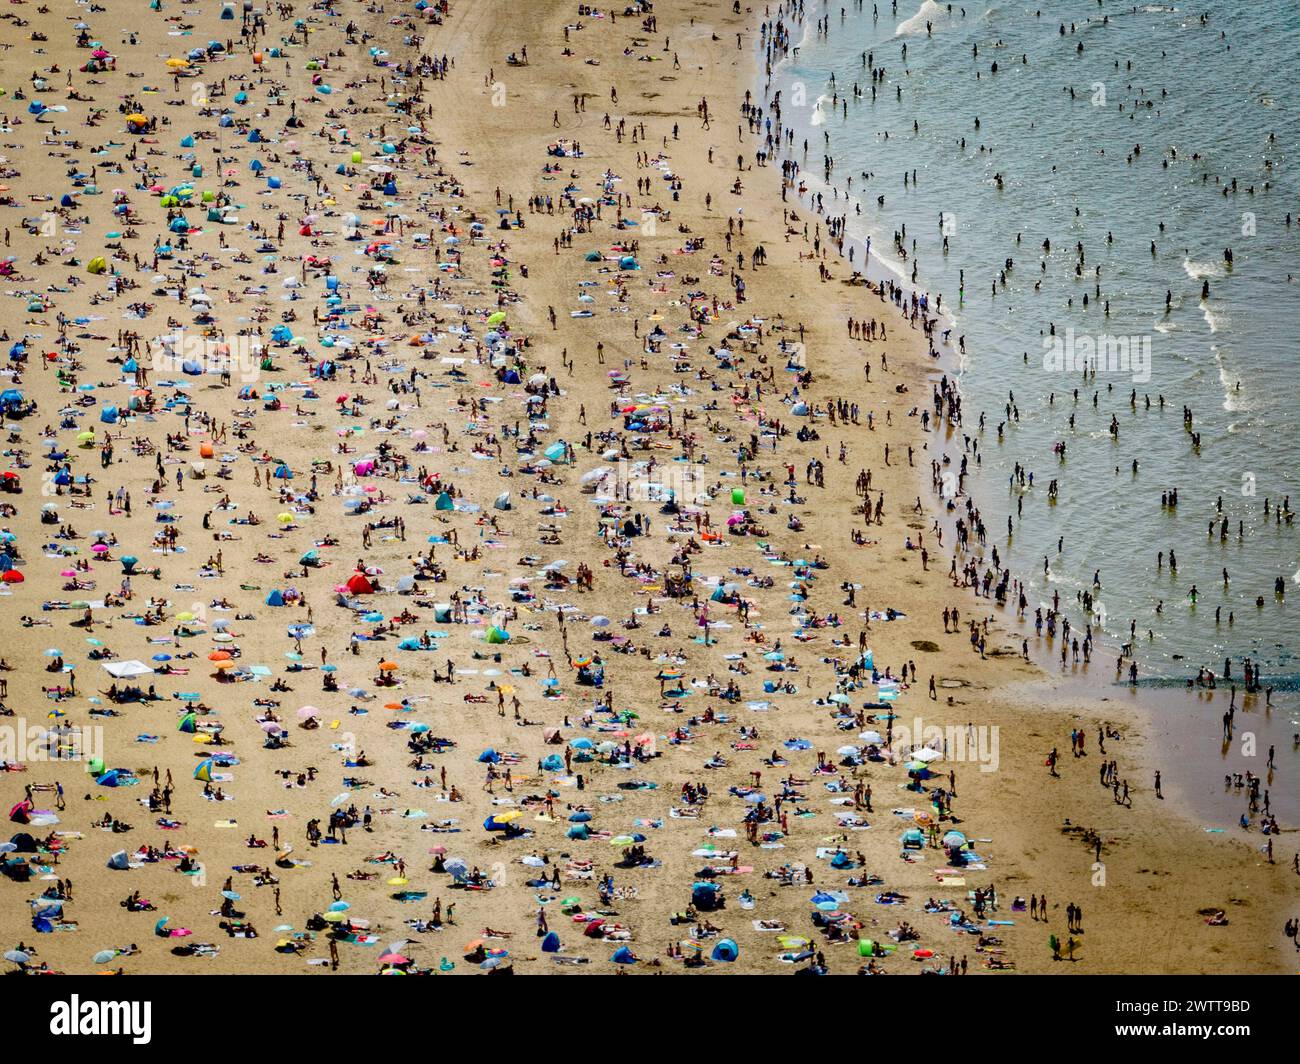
532	566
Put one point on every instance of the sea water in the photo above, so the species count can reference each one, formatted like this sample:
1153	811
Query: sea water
1209	103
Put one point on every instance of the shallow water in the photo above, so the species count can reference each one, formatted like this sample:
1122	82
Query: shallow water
1227	358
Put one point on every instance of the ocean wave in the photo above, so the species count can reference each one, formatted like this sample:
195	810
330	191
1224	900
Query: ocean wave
1227	379
1199	271
930	12
1217	320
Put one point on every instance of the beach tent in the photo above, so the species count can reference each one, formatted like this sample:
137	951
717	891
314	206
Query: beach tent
726	951
444	502
275	598
551	943
118	862
22	843
18	870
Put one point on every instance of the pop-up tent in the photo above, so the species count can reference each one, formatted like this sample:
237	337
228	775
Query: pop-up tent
726	951
22	843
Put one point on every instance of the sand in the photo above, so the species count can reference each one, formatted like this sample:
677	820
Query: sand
490	124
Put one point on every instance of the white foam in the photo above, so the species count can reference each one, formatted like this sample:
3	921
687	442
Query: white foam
1215	319
1199	271
929	12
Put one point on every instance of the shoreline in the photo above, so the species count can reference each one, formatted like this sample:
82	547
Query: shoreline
948	361
1075	699
1253	648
